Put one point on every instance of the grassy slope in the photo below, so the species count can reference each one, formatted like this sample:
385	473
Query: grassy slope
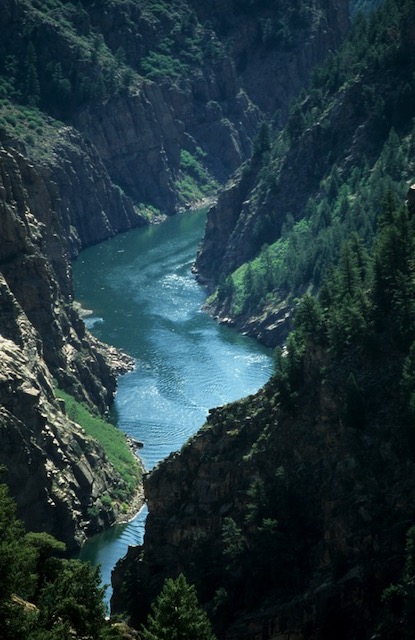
112	440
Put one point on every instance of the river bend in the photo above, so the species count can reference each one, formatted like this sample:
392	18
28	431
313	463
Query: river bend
145	301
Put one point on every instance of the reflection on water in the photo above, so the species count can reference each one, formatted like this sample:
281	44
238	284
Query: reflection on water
145	301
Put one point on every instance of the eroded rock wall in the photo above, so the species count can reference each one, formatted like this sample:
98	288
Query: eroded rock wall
320	508
56	473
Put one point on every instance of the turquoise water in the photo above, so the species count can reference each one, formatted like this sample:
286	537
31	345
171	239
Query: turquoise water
145	300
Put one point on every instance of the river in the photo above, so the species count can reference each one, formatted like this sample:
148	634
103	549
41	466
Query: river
145	300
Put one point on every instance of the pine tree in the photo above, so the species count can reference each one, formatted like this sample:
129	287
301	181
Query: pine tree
355	410
31	86
177	615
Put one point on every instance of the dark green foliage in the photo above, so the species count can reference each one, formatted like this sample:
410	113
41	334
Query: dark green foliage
194	182
364	292
31	88
176	614
355	409
181	43
87	71
345	191
262	142
408	382
289	368
394	270
308	317
42	595
398	600
232	541
72	600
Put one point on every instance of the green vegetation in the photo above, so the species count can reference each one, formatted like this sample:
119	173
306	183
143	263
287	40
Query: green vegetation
112	440
42	595
398	604
39	133
176	614
91	72
194	182
181	44
294	249
285	19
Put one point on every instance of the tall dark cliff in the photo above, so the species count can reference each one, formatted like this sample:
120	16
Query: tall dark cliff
56	473
289	510
357	114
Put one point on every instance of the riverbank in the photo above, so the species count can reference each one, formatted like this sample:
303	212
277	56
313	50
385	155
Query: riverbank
135	504
140	287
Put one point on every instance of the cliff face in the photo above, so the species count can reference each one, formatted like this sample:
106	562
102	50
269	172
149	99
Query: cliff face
56	473
332	130
272	65
140	136
290	521
211	72
231	231
216	105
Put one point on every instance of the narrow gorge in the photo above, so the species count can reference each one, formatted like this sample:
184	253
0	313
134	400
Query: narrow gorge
291	510
95	149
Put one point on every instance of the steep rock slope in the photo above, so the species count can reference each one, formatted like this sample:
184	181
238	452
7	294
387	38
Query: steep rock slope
355	122
290	509
201	95
56	473
221	76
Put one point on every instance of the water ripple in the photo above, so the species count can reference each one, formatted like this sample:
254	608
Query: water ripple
146	301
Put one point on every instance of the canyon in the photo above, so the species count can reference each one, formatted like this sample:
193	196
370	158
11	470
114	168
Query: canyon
90	171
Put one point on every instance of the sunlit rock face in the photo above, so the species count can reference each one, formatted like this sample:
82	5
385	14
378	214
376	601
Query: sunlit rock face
56	473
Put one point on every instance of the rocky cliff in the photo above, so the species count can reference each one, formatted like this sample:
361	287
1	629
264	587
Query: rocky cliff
214	106
110	112
56	473
345	124
290	519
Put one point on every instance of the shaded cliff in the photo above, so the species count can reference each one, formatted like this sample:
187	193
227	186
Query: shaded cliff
148	83
289	509
288	212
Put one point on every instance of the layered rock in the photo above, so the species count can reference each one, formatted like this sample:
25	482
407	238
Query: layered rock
56	473
141	134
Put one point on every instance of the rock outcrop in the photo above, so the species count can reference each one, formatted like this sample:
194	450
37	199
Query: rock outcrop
290	521
56	474
54	471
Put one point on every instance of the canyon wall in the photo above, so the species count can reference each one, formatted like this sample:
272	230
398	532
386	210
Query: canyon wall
56	473
290	520
93	138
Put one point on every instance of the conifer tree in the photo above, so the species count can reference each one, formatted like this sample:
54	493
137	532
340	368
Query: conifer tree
177	615
31	86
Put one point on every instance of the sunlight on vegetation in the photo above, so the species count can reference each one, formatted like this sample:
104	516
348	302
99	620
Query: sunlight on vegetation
112	440
194	183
